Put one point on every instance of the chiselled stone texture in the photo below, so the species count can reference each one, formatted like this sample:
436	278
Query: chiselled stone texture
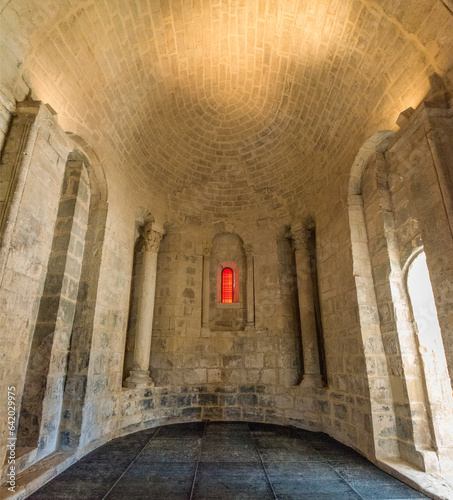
228	124
226	352
220	101
47	364
139	409
27	239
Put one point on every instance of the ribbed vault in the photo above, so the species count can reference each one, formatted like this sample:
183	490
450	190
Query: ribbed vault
229	105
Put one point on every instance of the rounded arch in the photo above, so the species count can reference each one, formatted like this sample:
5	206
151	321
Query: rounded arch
227	252
234	268
378	141
367	304
70	429
84	152
409	261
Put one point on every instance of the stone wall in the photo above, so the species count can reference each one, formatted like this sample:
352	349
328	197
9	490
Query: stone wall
184	352
6	114
382	225
251	371
387	228
420	169
37	150
140	409
47	363
346	415
420	185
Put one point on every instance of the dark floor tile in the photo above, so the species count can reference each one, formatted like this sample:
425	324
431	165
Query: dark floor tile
172	442
315	490
226	428
193	429
134	440
381	491
230	438
335	452
123	449
372	482
89	481
57	492
299	471
282	442
307	495
121	456
231	481
314	437
271	430
227	453
287	456
158	481
93	475
171	450
300	465
308	480
284	449
364	469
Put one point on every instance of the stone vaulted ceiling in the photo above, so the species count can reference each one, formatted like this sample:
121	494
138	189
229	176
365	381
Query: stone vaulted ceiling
227	105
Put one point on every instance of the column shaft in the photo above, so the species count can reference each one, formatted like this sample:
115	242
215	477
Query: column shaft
139	376
145	313
250	291
312	368
205	303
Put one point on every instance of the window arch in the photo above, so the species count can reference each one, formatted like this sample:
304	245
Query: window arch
439	398
424	308
228	282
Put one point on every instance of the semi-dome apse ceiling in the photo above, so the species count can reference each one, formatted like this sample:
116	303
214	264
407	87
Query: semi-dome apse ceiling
227	105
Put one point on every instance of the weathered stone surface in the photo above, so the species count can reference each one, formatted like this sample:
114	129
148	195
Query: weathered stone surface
228	125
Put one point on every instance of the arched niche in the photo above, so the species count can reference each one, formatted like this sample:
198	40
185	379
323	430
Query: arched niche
227	252
142	216
80	350
60	350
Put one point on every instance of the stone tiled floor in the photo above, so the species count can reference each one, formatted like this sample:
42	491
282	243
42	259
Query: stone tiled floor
219	461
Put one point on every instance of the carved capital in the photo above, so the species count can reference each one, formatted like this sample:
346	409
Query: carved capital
151	237
248	251
207	249
300	237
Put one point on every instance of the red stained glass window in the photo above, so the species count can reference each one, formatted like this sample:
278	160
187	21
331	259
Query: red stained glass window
227	286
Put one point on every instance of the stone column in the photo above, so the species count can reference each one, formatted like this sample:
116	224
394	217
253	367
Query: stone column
206	269
139	376
250	289
312	370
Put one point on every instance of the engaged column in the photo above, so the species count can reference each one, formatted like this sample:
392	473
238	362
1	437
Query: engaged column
139	375
312	370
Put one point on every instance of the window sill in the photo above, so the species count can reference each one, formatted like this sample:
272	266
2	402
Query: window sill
234	305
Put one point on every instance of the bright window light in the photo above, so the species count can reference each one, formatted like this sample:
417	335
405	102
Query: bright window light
423	305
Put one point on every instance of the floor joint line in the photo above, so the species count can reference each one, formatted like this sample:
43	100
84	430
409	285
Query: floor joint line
328	463
131	464
346	481
198	461
262	463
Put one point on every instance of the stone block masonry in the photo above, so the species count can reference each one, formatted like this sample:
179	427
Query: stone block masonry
140	409
228	124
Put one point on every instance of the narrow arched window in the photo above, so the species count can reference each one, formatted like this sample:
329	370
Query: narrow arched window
227	286
423	306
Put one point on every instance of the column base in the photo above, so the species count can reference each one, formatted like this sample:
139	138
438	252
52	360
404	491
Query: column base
311	380
138	379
